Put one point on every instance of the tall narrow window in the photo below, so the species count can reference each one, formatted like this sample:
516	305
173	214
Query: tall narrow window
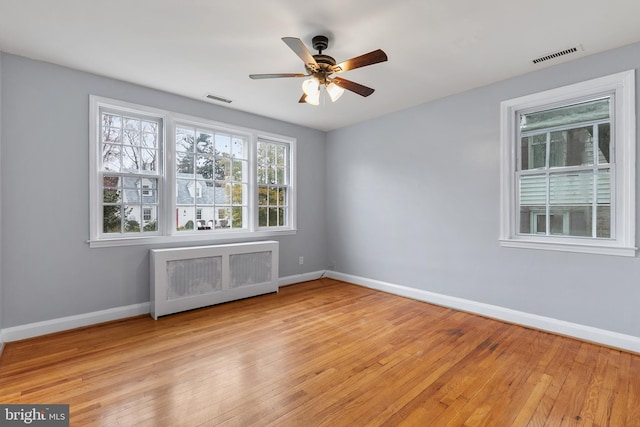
129	172
273	184
568	168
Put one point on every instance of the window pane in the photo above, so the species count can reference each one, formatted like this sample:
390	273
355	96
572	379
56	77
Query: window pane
111	157
262	175
111	219
204	166
238	214
149	140
263	198
534	151
150	127
238	194
184	163
185	138
224	217
132	215
533	190
603	222
263	216
184	195
222	168
571	147
281	213
273	196
149	218
239	170
571	221
205	143
604	142
571	188
185	218
280	155
239	148
131	124
222	194
130	159
111	134
571	114
273	217
603	189
223	143
149	160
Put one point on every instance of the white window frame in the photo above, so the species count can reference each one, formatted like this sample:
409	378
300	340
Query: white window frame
166	232
623	130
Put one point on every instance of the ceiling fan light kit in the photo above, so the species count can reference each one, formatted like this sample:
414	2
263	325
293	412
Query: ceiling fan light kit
321	68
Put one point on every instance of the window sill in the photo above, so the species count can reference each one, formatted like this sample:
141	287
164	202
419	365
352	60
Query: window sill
231	237
600	249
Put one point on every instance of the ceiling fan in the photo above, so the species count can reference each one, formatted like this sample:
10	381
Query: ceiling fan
321	68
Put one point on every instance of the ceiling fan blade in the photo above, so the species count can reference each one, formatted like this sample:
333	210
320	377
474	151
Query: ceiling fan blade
353	86
275	76
301	50
361	61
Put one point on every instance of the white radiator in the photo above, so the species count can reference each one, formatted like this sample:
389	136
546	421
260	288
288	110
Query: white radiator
187	278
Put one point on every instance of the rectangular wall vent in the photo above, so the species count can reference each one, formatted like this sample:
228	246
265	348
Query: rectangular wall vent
555	55
219	98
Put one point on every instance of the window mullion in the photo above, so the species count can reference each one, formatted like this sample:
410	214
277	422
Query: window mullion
548	186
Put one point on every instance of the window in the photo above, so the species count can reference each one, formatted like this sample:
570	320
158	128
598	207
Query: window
568	168
129	173
212	165
158	176
273	184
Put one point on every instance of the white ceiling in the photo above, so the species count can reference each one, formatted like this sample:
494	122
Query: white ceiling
198	47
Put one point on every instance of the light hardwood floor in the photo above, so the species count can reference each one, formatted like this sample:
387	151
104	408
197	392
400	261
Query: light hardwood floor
323	353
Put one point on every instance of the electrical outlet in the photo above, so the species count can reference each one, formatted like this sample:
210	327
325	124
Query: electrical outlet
301	260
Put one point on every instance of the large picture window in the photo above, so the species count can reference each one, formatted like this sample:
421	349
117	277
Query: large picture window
568	168
158	176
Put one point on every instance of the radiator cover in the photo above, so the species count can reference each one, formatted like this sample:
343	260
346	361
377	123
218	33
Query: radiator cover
187	278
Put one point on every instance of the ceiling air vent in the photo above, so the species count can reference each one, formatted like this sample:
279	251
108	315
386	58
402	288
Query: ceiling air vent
219	98
555	55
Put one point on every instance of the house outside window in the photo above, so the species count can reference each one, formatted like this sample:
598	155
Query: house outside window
568	168
209	189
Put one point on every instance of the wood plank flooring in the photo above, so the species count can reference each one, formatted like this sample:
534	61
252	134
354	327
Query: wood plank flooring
323	353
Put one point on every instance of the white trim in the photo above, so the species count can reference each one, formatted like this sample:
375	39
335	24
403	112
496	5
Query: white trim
226	237
64	323
624	179
299	278
31	330
586	333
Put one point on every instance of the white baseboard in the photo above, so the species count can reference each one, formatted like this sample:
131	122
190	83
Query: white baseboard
65	323
299	278
31	330
586	333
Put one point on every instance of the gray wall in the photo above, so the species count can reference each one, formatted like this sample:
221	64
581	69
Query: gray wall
413	200
48	269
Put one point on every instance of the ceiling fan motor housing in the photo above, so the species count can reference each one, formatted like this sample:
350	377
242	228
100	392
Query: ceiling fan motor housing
320	43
